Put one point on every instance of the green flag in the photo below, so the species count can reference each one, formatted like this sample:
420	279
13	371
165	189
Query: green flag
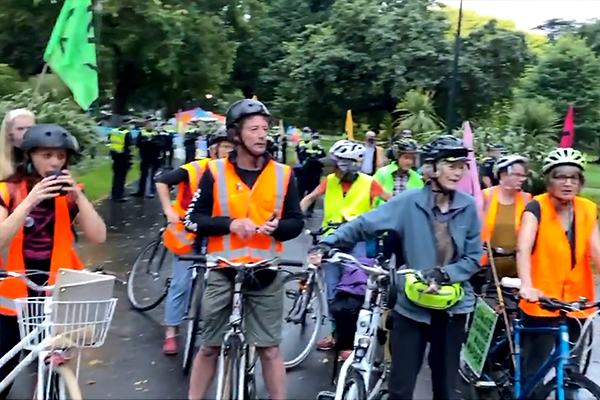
71	51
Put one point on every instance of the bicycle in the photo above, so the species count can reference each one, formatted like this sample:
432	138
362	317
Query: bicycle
507	383
194	312
49	329
152	268
308	297
237	359
365	370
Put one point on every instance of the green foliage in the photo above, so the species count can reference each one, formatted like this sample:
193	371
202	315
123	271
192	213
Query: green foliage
417	114
10	81
64	113
568	73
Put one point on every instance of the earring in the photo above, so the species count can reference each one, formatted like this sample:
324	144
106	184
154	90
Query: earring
29	168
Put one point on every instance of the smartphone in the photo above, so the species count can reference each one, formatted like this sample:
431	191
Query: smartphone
59	187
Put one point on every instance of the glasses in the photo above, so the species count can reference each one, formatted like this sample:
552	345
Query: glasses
519	175
563	179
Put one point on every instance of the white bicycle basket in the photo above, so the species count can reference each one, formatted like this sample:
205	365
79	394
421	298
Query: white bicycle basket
77	315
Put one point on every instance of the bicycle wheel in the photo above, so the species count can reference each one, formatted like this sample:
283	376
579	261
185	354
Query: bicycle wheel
303	319
193	322
148	281
231	370
574	381
61	384
354	386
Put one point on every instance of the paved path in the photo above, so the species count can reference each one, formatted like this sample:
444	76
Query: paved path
131	365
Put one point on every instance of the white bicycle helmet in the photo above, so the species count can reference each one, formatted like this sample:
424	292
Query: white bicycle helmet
507	161
564	156
347	150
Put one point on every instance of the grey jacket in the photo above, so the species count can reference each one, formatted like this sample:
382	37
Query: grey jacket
410	215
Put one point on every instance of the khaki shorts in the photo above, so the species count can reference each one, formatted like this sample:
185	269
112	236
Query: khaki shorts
263	312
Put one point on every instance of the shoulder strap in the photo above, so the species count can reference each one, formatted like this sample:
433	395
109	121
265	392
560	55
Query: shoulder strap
488	194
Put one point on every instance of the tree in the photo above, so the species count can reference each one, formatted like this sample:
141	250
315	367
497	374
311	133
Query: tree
555	27
492	59
590	32
10	81
569	73
358	59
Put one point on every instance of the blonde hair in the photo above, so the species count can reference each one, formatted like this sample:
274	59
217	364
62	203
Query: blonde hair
7	167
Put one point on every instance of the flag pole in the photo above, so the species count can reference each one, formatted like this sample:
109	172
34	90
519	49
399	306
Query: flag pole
38	83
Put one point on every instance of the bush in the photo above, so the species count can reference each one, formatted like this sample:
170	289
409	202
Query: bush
64	113
10	81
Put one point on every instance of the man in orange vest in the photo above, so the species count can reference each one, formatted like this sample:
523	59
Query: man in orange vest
176	238
503	207
557	242
247	205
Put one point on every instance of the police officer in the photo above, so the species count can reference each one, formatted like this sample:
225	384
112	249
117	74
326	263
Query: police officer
148	143
119	142
311	168
168	134
486	171
191	135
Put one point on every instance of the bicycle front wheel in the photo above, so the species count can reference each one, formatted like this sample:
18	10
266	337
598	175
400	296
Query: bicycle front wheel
574	385
231	371
303	319
61	385
148	281
193	323
354	386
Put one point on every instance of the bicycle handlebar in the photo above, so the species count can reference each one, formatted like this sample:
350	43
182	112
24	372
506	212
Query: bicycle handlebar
218	262
347	258
553	304
23	277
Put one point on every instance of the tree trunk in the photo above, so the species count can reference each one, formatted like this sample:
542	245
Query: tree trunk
126	83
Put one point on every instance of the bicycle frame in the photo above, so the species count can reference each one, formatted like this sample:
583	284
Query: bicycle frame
235	325
369	322
38	352
557	360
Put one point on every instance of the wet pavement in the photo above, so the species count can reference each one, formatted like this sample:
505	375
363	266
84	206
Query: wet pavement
131	365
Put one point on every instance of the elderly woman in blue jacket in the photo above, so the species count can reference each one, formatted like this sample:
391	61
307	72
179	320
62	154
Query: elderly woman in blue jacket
439	235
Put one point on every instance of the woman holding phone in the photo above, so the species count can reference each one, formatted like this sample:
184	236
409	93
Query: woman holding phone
39	203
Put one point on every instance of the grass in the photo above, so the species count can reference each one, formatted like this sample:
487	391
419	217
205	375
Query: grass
592	183
96	175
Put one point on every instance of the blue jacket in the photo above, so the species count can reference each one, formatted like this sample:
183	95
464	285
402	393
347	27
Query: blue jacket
410	215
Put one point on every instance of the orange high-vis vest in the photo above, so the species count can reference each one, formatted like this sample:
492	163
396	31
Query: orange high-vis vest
63	254
551	262
232	198
176	237
5	196
490	207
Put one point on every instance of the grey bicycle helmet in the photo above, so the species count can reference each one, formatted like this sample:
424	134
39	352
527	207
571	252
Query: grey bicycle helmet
244	108
220	135
49	136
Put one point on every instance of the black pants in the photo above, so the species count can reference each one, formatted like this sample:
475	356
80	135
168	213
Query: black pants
120	169
148	170
9	337
409	338
309	182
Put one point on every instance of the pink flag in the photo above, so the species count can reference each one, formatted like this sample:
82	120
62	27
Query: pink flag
470	182
568	133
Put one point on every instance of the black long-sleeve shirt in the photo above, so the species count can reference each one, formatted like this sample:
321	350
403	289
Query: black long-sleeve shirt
199	218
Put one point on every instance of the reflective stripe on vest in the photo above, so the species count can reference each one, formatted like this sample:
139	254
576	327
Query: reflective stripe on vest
490	209
552	271
339	207
223	199
194	170
117	140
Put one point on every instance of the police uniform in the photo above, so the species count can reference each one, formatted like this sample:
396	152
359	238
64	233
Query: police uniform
119	142
148	143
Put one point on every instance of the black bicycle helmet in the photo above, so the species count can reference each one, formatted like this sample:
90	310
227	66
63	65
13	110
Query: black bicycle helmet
220	135
244	108
49	136
447	147
403	145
